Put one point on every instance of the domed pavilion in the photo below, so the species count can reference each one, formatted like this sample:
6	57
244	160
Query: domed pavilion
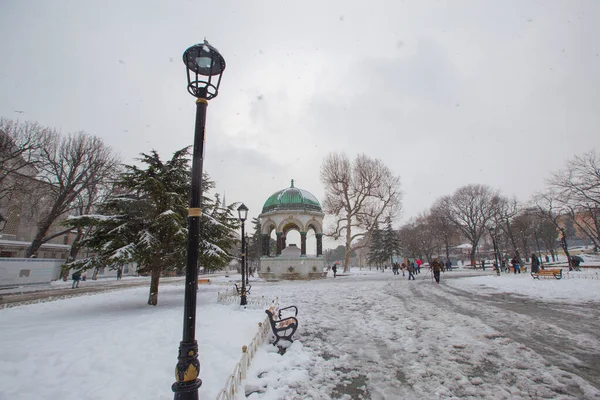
284	211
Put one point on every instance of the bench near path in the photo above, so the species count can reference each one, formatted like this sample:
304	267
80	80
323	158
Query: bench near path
548	273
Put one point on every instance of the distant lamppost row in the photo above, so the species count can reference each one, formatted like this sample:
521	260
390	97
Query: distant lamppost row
3	222
204	66
243	214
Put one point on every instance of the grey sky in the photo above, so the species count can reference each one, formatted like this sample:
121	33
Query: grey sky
445	93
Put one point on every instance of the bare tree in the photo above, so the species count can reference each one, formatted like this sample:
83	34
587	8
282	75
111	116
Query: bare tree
507	210
426	236
553	211
578	190
69	166
524	224
409	241
358	194
20	146
443	227
544	233
469	209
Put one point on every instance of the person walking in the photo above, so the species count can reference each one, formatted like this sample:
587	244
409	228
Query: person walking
334	269
119	273
411	272
448	265
535	263
483	265
76	278
419	262
437	266
515	264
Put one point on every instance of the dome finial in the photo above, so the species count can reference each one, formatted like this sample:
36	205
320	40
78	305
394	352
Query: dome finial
292	183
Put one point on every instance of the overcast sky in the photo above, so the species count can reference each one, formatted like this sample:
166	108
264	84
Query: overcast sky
445	93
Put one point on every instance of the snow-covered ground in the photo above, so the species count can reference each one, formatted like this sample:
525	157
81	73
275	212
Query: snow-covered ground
114	346
364	335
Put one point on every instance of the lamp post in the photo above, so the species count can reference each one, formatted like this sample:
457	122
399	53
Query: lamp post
495	250
205	68
243	214
3	222
247	261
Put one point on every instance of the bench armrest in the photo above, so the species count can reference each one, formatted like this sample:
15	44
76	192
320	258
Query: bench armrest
287	308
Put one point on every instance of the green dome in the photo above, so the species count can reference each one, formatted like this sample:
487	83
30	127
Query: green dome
292	198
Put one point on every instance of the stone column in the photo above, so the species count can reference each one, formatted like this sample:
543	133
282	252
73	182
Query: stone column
279	242
319	244
302	243
265	245
283	242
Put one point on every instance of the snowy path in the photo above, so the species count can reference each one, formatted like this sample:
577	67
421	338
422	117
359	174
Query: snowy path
377	337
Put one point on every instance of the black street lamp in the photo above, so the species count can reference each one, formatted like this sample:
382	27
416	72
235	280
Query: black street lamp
243	214
247	261
204	67
3	222
495	250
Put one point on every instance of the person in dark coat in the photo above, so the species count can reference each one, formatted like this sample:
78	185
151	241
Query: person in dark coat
437	266
76	278
411	272
515	264
334	269
535	263
119	273
448	265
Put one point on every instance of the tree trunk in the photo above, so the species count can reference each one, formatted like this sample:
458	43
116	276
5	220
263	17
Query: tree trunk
512	241
153	297
348	245
43	228
563	243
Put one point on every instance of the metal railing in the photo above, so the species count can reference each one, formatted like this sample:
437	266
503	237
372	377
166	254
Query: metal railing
232	297
233	385
580	275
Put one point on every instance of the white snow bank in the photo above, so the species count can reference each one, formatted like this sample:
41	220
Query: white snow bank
582	287
114	346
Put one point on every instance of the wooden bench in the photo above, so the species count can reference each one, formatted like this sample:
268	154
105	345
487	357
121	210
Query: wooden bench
548	273
204	281
283	328
238	289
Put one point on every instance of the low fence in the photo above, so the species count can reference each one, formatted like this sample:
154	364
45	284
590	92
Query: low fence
231	297
233	385
580	275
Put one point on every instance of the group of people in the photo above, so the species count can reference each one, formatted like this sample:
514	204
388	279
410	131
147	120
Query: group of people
414	267
516	264
76	277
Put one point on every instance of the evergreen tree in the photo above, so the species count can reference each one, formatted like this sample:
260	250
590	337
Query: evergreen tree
146	222
254	242
390	241
218	224
377	254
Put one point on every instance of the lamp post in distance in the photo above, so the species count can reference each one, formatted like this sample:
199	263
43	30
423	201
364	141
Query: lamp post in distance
243	214
496	260
247	260
204	66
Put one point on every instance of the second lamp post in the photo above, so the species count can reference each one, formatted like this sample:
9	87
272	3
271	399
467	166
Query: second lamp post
243	214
